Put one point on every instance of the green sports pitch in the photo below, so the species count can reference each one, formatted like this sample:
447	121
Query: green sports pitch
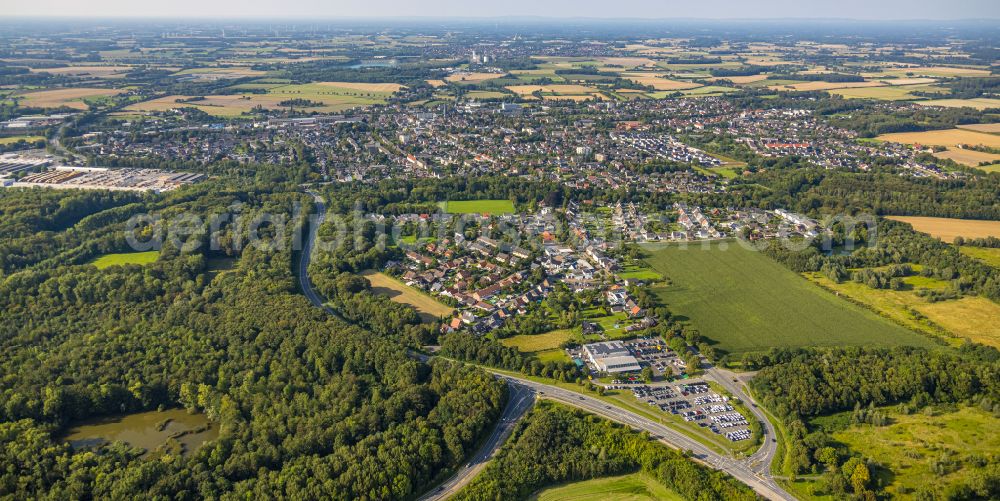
477	206
745	301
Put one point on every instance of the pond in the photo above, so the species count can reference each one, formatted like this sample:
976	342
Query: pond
174	431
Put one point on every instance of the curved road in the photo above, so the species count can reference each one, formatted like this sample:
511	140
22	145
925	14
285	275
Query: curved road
754	472
520	399
761	460
306	256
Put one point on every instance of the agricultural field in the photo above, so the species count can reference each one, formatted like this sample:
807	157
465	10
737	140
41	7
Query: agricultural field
947	137
969	317
947	228
557	91
810	86
979	103
659	81
471	78
634	487
486	94
428	307
220	73
744	301
886	92
933	71
984	254
139	258
912	443
987	128
75	98
109	71
971	158
477	206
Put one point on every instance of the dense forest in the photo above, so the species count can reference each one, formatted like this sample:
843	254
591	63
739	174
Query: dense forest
307	405
558	444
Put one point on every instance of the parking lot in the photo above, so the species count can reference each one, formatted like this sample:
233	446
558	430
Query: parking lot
649	352
694	402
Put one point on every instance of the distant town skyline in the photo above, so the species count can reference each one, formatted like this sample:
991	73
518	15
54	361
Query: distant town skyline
622	9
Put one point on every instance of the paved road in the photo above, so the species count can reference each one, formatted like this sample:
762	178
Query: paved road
761	460
759	481
521	398
306	256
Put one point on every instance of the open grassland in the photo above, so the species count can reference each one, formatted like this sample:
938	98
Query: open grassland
14	139
486	94
947	137
745	301
979	103
908	81
71	98
984	254
969	317
971	158
478	206
428	308
140	258
947	228
539	342
911	444
634	487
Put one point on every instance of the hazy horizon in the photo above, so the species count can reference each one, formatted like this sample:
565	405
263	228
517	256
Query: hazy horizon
732	10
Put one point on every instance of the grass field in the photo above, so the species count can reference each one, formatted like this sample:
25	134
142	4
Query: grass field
71	98
634	487
14	139
947	228
911	443
886	92
820	85
948	137
478	206
429	308
539	342
744	301
984	254
110	71
140	258
969	317
486	94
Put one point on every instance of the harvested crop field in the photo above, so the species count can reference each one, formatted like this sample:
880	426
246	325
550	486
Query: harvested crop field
971	158
987	128
807	86
472	77
557	89
86	71
70	98
947	137
947	228
980	103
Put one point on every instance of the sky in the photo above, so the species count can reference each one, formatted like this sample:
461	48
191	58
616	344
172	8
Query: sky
651	9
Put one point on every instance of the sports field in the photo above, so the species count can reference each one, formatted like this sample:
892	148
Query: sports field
140	258
745	301
428	307
947	228
477	206
634	487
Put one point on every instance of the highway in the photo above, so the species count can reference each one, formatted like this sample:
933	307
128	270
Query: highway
758	481
306	257
520	399
761	460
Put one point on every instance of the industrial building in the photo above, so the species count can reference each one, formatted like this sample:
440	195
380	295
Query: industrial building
611	357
